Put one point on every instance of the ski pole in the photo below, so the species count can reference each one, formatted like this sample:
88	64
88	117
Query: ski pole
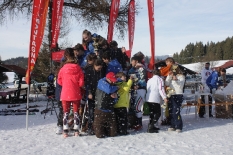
84	111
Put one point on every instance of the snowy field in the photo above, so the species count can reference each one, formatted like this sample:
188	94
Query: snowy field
199	136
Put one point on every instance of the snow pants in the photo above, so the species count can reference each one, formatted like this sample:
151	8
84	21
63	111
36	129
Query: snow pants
121	120
66	106
104	124
91	109
174	105
155	112
139	101
60	114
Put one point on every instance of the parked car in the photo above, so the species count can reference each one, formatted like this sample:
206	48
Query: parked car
23	84
229	77
195	77
192	81
3	86
39	84
33	82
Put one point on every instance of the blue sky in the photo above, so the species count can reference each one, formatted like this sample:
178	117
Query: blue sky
177	23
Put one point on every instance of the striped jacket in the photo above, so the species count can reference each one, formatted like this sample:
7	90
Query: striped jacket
155	89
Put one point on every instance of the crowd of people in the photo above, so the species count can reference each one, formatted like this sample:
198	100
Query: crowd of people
104	87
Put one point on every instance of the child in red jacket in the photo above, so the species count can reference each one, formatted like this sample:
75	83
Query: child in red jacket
71	78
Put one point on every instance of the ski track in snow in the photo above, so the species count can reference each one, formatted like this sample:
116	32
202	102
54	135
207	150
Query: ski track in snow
199	136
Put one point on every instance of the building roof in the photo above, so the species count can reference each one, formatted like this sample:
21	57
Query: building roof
227	64
13	68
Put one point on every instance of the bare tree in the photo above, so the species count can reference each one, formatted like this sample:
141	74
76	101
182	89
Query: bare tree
200	66
213	64
93	14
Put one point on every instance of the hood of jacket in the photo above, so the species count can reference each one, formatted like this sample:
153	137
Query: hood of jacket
71	69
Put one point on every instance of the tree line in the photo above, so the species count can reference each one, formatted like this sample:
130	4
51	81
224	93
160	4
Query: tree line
41	69
200	52
192	53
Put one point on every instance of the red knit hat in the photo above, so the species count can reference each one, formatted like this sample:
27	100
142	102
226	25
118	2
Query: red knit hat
111	76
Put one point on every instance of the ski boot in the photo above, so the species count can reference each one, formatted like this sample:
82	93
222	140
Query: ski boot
76	124
59	130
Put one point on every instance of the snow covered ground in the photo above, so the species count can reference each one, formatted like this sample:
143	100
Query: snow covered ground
199	136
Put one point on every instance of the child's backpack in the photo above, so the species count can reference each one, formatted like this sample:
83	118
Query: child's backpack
50	88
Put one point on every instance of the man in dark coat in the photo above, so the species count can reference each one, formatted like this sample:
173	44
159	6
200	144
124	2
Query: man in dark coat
92	75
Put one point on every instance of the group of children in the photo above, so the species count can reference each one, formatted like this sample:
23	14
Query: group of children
104	84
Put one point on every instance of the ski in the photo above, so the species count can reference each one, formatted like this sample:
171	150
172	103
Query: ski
2	113
14	105
19	110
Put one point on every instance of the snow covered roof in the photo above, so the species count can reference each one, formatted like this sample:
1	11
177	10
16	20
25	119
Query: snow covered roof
197	67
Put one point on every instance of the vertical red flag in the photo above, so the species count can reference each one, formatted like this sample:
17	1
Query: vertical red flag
115	4
56	20
39	14
131	24
150	4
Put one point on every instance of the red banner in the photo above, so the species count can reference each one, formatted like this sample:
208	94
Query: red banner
39	14
112	18
150	4
56	20
58	55
131	23
128	53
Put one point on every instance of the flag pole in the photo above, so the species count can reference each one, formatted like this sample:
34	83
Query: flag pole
28	73
50	33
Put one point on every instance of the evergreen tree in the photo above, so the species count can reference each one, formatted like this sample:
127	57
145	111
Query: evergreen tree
43	65
3	76
228	49
181	57
198	53
219	51
176	57
18	61
190	50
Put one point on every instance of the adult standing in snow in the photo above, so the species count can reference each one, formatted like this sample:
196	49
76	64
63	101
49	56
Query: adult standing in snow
175	84
213	82
58	89
92	76
155	89
71	78
205	73
91	58
139	70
